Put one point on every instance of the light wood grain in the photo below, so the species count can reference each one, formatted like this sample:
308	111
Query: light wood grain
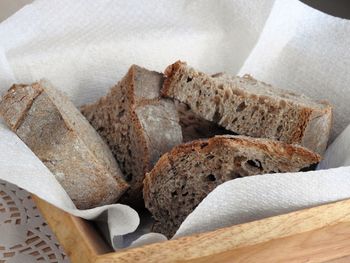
211	246
321	245
345	259
320	234
81	242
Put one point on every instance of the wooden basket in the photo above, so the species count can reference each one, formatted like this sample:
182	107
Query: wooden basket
319	234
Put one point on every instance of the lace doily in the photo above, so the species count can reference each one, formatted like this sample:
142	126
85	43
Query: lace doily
24	234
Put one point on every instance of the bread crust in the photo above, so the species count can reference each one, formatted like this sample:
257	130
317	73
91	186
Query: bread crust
64	141
170	73
151	123
177	183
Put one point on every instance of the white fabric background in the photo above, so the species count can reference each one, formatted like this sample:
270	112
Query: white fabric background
307	51
84	47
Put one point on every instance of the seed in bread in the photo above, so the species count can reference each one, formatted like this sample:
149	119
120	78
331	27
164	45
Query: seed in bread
250	107
182	178
50	125
137	125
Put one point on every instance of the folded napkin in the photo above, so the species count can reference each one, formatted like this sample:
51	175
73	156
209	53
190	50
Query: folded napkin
85	47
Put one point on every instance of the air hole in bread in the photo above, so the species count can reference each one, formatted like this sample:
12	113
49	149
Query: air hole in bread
184	194
211	178
241	107
255	164
279	128
174	193
121	113
189	79
100	129
210	156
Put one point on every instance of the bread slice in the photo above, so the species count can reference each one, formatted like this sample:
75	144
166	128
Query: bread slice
137	125
183	177
65	142
250	107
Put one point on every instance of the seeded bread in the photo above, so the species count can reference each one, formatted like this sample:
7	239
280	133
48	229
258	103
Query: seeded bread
183	177
65	142
137	125
250	107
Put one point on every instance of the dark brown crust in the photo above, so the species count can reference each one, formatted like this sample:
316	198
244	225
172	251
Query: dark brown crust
145	102
304	118
133	196
170	73
206	145
137	125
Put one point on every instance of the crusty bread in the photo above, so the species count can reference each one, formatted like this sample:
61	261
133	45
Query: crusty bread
250	107
195	127
137	125
65	142
184	176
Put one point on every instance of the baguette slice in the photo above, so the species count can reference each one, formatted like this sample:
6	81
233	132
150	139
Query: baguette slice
250	107
183	177
137	125
65	142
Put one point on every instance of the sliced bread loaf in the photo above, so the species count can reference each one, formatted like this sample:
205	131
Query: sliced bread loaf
137	125
250	107
65	142
184	176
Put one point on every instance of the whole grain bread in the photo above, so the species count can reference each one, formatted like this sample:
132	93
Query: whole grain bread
51	126
183	177
137	124
250	107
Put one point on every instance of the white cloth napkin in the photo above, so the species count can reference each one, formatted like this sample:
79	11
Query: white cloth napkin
84	47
